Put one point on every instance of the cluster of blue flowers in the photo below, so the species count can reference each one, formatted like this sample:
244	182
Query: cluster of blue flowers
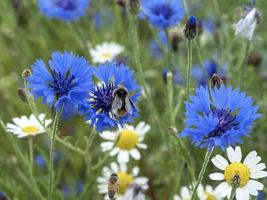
66	84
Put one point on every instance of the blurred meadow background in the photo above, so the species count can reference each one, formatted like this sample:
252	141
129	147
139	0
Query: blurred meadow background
26	35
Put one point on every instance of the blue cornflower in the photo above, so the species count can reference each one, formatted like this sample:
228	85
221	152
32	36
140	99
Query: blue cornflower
260	196
202	76
163	13
219	117
67	81
111	76
67	10
209	26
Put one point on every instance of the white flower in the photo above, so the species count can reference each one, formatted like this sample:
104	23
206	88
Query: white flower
246	26
134	193
206	193
25	126
125	179
239	174
106	51
125	142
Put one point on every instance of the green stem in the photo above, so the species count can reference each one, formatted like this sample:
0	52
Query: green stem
31	153
87	155
189	65
233	193
186	7
243	65
202	172
52	154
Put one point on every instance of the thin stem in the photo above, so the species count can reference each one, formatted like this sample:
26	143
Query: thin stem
52	154
202	172
189	65
244	65
87	155
186	7
31	152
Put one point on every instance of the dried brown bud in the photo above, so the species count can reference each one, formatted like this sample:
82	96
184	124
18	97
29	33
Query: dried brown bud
121	3
254	59
26	72
176	38
216	80
22	95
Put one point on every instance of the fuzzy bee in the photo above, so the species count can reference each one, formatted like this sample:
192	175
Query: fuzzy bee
121	104
113	185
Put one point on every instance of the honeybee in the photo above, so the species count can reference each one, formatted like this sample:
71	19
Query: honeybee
121	104
113	185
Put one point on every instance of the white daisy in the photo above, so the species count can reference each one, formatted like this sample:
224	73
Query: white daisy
246	26
106	51
25	126
239	174
125	179
125	142
206	193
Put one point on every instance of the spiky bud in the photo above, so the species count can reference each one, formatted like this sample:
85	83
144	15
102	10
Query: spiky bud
216	80
22	95
190	30
26	72
121	3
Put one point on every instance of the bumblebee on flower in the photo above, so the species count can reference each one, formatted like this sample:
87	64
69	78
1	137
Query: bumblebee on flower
112	101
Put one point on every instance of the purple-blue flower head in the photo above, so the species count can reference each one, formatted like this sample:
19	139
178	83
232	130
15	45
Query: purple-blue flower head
65	82
219	117
67	10
163	13
110	77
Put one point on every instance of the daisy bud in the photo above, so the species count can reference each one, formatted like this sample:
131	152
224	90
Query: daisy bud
121	3
133	6
190	30
22	95
26	73
216	80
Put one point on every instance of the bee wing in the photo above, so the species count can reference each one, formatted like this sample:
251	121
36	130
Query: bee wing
129	105
116	105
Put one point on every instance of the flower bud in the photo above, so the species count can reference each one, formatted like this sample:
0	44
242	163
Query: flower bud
121	3
133	6
22	95
26	73
216	80
190	30
254	59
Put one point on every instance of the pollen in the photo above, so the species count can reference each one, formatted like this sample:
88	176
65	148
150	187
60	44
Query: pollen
107	55
30	130
124	181
237	173
127	140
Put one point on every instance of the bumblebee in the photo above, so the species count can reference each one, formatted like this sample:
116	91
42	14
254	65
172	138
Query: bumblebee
121	104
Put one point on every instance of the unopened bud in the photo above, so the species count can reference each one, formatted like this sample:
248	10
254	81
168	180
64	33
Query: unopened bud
216	80
133	6
175	40
254	59
26	73
121	3
22	95
190	30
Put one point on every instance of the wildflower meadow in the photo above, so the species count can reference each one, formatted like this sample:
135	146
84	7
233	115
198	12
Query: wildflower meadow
133	100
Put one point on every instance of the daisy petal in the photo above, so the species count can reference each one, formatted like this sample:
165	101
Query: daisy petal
258	174
216	176
135	154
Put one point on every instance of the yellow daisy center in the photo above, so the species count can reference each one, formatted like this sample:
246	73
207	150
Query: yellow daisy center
210	196
237	174
30	130
124	181
107	55
127	140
